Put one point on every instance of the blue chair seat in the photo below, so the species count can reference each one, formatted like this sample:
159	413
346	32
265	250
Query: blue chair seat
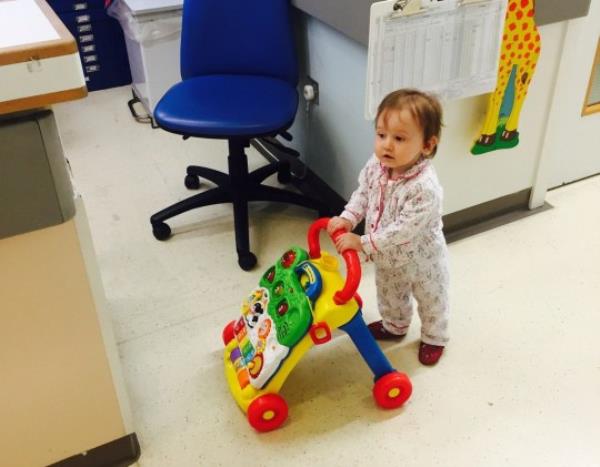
222	106
239	77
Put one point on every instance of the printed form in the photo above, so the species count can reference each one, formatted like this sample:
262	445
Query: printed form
450	51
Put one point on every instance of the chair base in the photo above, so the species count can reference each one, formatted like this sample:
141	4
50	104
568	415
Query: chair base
239	187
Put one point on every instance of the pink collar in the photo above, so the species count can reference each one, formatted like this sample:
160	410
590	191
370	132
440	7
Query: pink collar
412	172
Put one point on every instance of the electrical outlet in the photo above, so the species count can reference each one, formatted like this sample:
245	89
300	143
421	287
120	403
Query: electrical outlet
310	90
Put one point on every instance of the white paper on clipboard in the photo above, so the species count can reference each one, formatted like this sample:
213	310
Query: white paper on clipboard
451	51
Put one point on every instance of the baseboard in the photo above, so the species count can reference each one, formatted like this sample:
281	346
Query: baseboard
120	452
489	215
457	225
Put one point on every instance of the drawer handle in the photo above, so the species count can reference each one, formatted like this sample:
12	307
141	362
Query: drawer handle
82	19
86	38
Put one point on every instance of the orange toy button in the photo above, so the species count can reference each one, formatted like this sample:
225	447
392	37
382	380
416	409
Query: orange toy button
243	378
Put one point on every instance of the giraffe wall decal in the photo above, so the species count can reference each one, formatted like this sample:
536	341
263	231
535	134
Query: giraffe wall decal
518	58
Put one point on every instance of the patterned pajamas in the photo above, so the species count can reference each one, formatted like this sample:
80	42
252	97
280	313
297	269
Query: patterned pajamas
403	236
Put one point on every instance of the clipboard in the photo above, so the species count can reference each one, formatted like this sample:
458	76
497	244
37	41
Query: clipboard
449	48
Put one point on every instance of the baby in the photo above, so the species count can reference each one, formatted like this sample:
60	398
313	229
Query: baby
400	199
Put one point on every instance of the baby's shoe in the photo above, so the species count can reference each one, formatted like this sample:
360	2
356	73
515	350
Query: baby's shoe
430	354
382	334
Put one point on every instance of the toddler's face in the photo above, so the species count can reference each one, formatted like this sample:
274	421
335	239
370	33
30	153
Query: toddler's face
399	140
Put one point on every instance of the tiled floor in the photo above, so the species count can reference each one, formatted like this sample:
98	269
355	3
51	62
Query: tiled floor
519	384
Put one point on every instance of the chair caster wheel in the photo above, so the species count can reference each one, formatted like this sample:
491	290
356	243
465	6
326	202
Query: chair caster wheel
161	231
284	174
192	182
247	261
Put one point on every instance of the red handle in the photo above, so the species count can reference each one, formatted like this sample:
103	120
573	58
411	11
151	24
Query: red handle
353	271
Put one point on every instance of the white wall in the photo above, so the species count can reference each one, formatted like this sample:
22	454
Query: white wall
334	139
470	180
338	141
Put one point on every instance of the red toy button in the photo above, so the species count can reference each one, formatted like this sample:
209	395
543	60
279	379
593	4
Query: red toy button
288	258
320	333
282	308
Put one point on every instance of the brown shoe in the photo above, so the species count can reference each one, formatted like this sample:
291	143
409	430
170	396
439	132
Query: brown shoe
382	334
430	354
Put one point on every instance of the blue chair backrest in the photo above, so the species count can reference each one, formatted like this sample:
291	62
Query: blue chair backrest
238	37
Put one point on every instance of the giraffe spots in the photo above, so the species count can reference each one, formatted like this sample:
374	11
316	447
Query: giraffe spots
519	14
512	26
520	45
525	26
512	55
509	46
537	50
524	3
527	37
527	55
530	13
513	6
504	37
516	37
530	46
524	77
537	37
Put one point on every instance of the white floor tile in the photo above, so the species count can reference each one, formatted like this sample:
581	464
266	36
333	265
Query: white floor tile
519	383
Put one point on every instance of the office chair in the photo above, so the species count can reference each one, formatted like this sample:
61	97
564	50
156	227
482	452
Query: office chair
239	76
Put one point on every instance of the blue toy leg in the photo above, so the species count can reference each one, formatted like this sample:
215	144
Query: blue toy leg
367	346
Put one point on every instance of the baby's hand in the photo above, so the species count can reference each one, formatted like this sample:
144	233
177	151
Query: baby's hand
336	223
348	241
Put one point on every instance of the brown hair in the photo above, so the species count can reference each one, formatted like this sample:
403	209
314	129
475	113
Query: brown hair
425	109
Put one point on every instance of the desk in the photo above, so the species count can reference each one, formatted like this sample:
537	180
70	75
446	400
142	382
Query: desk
61	389
39	65
336	140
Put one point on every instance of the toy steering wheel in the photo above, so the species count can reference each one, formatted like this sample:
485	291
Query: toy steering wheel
353	271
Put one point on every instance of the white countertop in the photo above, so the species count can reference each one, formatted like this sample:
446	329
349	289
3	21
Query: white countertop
22	22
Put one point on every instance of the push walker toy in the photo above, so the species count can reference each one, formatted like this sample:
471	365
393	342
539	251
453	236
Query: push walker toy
297	304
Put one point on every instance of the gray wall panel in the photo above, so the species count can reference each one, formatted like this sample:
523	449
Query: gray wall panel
552	11
352	16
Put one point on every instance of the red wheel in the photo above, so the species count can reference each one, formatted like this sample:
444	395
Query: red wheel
267	412
392	390
228	333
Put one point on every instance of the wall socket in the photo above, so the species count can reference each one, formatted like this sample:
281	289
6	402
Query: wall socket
311	97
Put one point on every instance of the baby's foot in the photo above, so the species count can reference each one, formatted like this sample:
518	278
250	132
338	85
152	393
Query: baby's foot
430	354
382	334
